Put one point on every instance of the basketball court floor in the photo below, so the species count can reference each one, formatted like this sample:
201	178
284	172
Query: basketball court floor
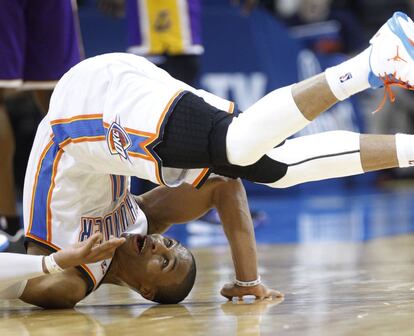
345	264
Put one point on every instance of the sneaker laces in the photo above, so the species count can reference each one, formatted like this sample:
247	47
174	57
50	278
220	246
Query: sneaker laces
389	81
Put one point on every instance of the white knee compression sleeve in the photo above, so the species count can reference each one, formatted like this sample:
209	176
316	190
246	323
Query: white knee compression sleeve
263	126
318	157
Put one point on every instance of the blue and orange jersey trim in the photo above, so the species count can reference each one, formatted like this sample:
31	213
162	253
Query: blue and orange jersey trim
39	230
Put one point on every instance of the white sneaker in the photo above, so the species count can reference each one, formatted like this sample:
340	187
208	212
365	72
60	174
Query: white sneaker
4	242
392	55
10	233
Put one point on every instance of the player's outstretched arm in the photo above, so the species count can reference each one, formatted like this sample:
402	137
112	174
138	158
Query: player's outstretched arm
230	200
165	206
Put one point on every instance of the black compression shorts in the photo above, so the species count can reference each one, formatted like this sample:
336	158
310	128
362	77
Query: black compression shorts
195	137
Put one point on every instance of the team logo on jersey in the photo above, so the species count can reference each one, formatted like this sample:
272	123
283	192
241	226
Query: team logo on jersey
345	77
118	140
163	21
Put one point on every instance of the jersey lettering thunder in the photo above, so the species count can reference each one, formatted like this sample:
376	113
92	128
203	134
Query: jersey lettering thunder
106	115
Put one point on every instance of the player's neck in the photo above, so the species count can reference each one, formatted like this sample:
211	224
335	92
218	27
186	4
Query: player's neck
112	275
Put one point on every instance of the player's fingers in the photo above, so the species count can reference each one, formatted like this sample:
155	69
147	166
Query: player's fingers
274	294
92	241
111	244
226	295
107	247
278	294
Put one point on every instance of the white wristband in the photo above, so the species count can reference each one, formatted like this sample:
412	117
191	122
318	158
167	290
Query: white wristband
252	283
51	265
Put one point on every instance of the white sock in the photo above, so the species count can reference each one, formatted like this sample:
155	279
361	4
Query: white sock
349	77
405	149
263	126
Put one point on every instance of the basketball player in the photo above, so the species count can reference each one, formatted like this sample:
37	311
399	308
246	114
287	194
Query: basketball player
157	267
39	42
118	115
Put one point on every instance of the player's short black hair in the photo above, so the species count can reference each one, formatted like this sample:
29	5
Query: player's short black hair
177	293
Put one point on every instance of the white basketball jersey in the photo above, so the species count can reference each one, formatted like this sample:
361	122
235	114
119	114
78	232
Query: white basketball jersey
106	115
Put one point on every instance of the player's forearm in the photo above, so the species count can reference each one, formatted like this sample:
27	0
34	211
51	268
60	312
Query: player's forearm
61	290
232	206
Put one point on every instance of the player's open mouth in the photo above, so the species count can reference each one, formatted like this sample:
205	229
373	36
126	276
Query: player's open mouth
141	243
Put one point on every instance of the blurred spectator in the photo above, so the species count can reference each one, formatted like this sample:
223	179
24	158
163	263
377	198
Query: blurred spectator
373	13
168	33
39	42
321	26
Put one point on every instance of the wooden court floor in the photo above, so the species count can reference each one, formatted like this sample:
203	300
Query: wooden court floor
330	289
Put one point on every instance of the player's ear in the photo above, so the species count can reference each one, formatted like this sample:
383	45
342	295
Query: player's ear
147	292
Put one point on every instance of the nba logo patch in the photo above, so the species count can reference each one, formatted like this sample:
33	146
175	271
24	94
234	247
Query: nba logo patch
118	140
345	77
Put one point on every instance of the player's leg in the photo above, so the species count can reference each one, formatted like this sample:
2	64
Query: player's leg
326	155
42	98
335	154
281	113
7	147
50	52
12	40
198	135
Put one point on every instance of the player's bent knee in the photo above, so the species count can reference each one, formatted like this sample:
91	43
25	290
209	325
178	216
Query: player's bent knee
228	185
225	188
265	170
241	156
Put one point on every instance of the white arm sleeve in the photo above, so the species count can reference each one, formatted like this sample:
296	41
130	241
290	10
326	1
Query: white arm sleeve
14	291
16	269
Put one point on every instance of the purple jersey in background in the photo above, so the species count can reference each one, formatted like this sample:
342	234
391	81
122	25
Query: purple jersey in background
39	41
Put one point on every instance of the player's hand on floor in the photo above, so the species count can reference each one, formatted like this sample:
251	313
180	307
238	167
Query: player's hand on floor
261	292
87	252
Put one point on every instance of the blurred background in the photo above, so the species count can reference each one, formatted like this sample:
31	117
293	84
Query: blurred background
240	51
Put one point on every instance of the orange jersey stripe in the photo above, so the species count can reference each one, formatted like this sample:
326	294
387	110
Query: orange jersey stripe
87	270
231	108
40	240
200	177
82	139
75	118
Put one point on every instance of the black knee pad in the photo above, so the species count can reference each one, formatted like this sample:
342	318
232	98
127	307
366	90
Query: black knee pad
266	170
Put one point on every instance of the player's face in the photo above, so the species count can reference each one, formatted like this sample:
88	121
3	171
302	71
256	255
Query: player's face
155	260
